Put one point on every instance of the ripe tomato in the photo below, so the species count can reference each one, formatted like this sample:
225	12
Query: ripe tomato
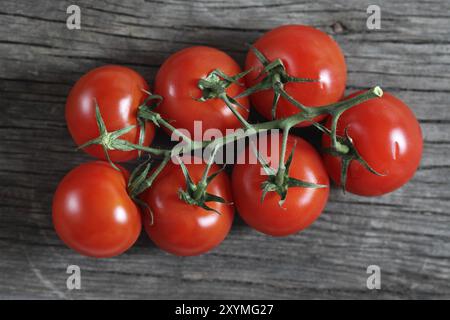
306	53
388	137
302	205
92	212
180	228
177	81
118	91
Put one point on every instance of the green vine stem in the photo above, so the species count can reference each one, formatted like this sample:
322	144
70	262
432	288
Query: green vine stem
201	187
146	113
337	109
214	86
229	104
139	180
282	166
156	100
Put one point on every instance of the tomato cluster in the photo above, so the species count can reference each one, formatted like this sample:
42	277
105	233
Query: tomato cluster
294	76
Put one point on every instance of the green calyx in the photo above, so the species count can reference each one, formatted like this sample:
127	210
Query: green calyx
111	140
196	194
275	77
279	180
346	150
214	86
216	83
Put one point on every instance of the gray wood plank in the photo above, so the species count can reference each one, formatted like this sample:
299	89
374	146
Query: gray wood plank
406	233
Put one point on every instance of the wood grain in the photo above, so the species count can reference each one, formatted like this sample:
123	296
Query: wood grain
406	233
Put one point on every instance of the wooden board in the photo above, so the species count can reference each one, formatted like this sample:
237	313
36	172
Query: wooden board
406	233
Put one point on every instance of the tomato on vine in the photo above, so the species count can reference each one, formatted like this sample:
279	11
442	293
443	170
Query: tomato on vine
387	136
92	212
191	82
294	62
294	74
306	191
188	217
118	91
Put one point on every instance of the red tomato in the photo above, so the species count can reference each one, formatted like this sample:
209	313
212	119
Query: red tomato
180	228
387	135
118	91
177	81
302	205
306	53
92	212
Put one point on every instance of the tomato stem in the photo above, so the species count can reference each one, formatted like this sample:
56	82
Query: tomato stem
227	101
147	114
338	108
202	185
281	173
141	183
214	86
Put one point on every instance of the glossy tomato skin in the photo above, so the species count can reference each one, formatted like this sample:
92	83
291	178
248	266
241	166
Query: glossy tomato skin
177	81
118	91
180	228
388	136
306	52
92	212
302	206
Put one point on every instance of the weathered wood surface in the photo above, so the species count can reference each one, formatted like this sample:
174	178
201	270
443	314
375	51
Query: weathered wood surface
406	233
